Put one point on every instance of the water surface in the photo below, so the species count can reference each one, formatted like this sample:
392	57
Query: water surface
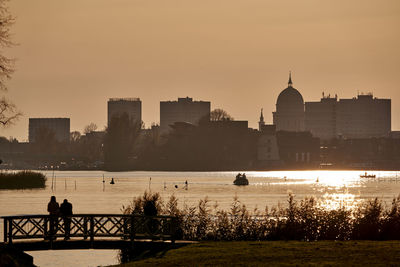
88	194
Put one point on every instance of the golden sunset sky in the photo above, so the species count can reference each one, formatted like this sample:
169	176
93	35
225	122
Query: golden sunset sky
73	55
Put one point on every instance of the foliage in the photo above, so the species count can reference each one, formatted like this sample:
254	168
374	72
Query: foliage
90	128
8	111
220	115
305	220
22	180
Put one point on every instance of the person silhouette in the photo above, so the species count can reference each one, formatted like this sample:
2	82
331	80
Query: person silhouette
150	210
66	212
54	209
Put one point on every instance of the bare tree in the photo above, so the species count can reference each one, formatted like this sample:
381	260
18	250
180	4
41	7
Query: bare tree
220	115
8	112
90	128
74	137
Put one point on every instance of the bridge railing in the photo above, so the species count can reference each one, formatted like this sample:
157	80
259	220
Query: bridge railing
89	226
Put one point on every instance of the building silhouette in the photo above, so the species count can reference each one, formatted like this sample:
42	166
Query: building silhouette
360	117
364	117
261	123
130	106
267	145
60	127
183	110
321	117
289	114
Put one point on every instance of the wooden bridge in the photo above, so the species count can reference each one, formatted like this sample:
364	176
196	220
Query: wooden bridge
97	231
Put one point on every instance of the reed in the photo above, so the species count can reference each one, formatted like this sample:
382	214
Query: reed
22	180
305	220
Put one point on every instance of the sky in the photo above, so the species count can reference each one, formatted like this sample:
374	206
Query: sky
73	55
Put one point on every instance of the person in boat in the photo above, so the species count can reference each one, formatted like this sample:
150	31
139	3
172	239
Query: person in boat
244	176
239	175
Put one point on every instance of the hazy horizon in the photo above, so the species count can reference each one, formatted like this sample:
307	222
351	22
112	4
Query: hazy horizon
72	56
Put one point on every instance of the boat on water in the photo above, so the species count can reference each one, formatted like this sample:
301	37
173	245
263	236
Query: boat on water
241	180
365	175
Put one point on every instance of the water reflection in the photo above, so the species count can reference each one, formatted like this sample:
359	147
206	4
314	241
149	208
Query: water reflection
88	194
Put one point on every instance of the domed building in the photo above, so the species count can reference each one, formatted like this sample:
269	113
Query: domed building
289	114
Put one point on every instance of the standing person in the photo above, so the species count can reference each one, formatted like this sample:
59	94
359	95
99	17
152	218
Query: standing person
66	212
54	209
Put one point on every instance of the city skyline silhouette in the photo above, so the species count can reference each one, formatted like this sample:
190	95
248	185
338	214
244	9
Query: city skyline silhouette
72	57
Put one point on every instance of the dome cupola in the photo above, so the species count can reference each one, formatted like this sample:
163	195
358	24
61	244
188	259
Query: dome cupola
290	97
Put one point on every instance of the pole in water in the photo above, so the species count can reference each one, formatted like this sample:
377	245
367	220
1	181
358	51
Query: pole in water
75	185
150	184
165	186
186	185
65	184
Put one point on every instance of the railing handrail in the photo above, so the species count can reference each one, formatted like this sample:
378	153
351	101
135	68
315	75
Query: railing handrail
126	226
82	215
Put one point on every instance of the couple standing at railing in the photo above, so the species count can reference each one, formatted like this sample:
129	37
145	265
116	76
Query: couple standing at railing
55	210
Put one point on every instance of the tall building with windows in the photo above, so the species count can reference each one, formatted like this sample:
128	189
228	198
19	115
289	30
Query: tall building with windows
183	110
289	114
364	117
130	106
321	117
360	117
60	127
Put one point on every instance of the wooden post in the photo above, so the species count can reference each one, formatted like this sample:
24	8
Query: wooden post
10	231
45	227
132	232
5	230
173	230
85	227
91	231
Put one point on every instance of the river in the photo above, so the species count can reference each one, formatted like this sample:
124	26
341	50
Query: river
88	194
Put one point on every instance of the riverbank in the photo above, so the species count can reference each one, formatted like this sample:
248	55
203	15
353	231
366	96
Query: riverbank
22	180
279	253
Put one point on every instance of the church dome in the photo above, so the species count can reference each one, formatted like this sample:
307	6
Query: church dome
290	98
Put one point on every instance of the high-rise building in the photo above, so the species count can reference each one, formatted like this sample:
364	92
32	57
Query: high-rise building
360	117
289	114
60	127
183	110
364	117
130	106
320	117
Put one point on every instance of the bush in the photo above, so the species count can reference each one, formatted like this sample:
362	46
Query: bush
305	220
22	180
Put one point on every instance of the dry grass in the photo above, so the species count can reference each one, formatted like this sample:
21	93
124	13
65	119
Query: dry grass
280	253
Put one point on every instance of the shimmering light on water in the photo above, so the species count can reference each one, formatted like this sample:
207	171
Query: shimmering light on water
89	194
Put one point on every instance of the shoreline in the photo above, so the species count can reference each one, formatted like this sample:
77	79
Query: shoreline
210	170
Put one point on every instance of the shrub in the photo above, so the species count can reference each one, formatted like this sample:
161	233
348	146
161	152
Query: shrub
22	180
305	220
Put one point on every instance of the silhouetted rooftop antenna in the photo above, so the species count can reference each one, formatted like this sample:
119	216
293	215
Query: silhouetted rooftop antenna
290	83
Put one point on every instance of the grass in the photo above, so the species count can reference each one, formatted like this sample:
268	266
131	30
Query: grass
22	180
280	253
